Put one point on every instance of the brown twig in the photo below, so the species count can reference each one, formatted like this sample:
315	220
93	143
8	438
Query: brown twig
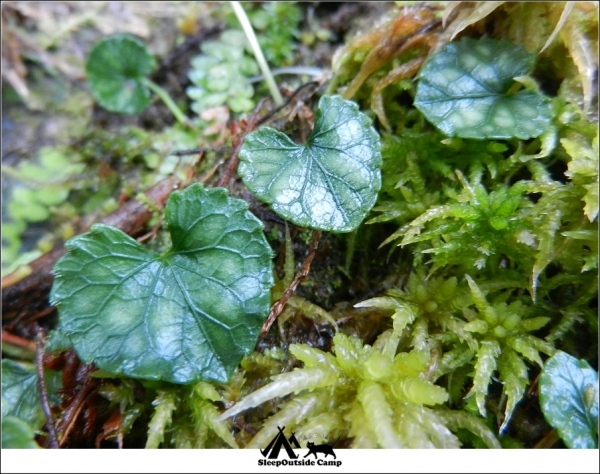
191	151
533	387
548	440
39	315
287	102
8	338
300	276
233	161
39	368
152	233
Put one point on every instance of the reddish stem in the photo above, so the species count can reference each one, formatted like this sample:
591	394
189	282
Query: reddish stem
238	142
17	341
39	368
300	276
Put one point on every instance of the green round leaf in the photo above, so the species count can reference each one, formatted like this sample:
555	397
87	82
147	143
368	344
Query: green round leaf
188	315
569	400
115	70
464	91
330	182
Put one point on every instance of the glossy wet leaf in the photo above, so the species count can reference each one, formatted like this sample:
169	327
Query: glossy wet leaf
465	91
17	434
189	314
116	67
569	400
20	393
328	183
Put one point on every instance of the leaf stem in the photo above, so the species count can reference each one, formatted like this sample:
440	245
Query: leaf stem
233	161
166	98
39	367
300	276
258	54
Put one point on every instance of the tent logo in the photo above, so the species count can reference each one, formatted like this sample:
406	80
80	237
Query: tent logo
278	442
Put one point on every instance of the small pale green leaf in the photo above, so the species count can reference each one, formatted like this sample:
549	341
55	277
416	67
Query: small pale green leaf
379	414
514	377
569	400
461	419
330	182
16	434
115	69
478	325
523	346
20	393
190	314
487	359
165	404
464	90
420	392
591	201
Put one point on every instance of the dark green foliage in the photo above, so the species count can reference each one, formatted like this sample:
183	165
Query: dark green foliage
189	314
496	274
328	183
468	90
115	71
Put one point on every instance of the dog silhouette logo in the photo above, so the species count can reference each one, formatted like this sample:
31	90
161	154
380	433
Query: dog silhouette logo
278	442
326	449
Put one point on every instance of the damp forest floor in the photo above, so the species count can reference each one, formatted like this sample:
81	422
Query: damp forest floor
68	163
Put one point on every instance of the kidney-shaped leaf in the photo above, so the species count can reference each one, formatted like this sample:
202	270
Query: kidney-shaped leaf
330	182
115	69
189	314
569	400
464	91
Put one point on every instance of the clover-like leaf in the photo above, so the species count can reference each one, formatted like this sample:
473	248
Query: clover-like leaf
116	68
569	399
328	183
464	90
189	314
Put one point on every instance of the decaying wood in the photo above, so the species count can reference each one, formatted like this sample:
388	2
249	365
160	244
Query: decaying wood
130	218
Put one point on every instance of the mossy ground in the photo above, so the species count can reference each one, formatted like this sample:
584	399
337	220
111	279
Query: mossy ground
123	155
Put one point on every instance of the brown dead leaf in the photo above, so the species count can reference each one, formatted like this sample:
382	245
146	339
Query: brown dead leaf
477	11
112	428
581	40
220	115
390	42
